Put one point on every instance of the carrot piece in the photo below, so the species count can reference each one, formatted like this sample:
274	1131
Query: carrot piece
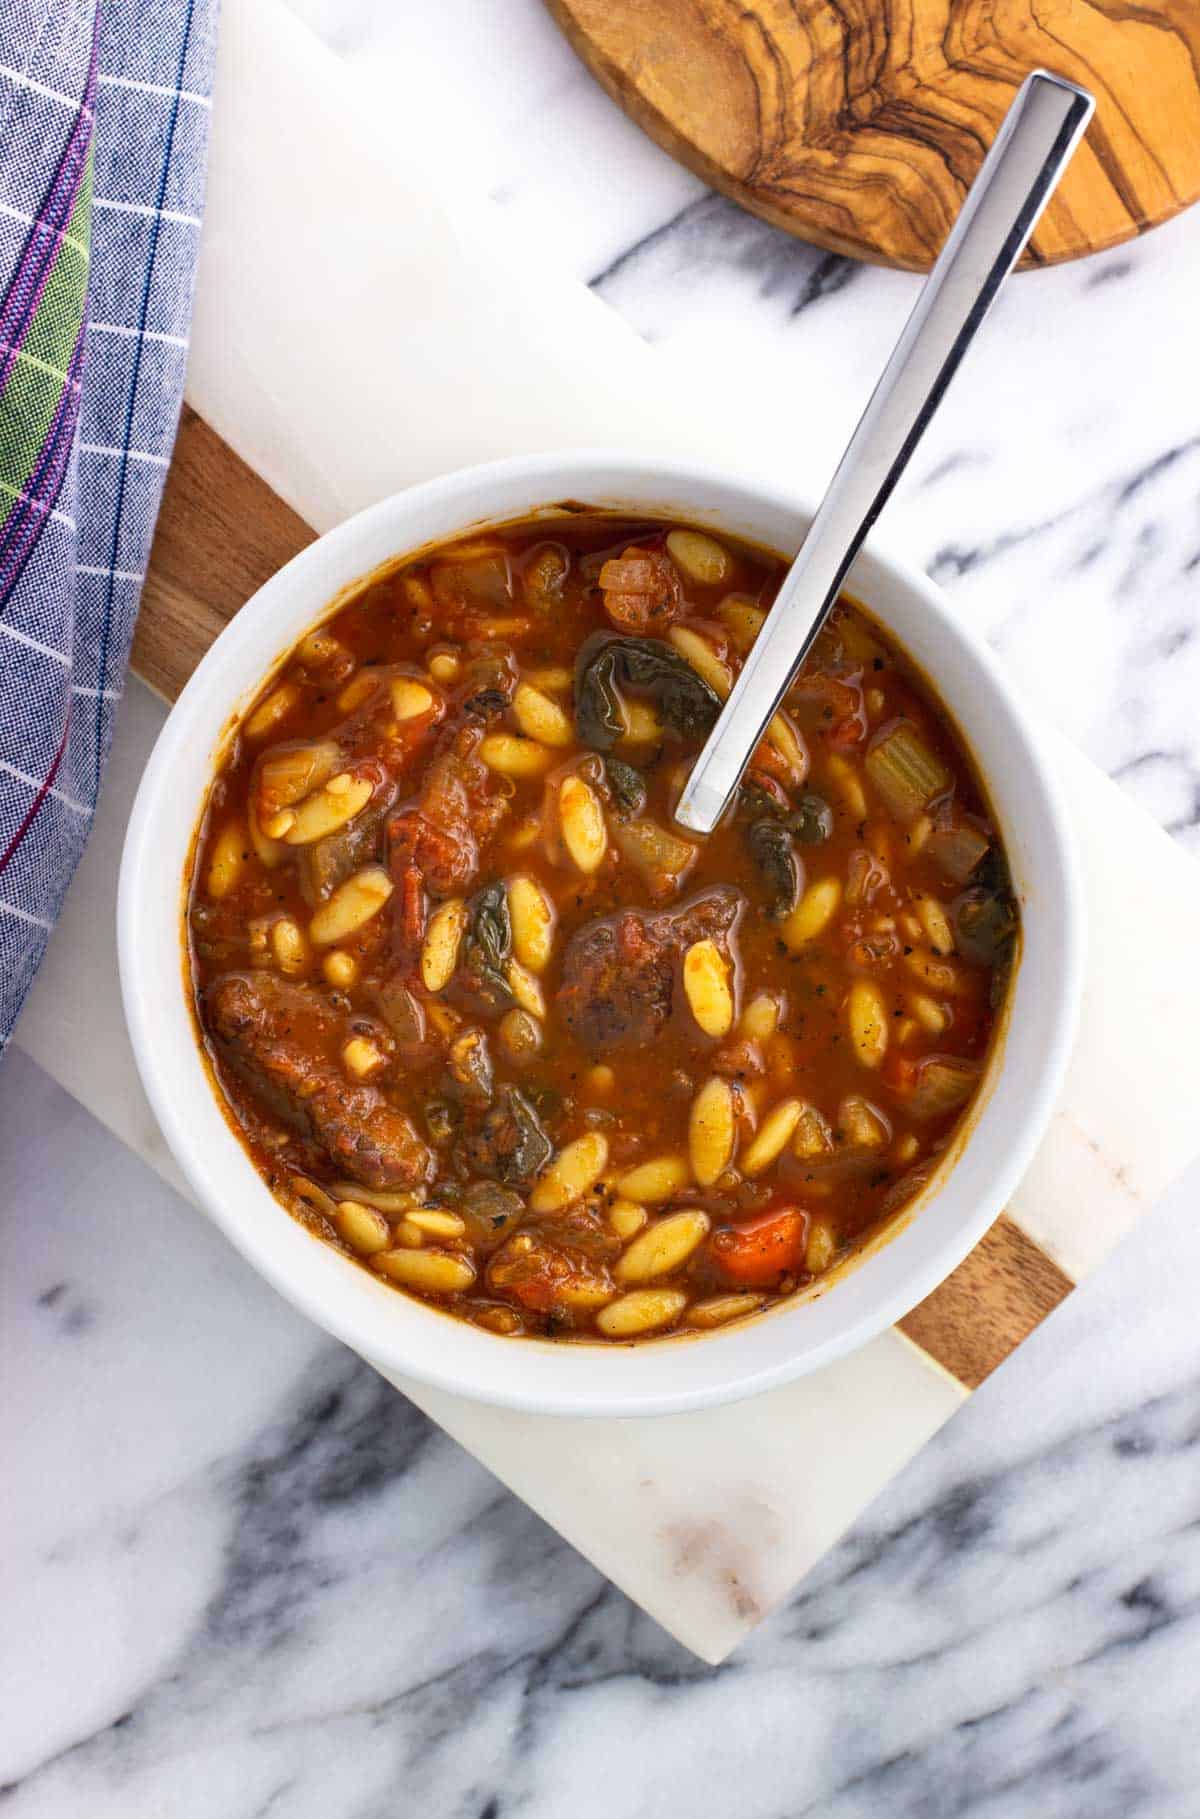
757	1253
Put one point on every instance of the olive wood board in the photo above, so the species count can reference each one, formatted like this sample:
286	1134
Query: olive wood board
221	533
860	124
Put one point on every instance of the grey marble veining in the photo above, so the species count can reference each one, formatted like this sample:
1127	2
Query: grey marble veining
1055	495
241	1577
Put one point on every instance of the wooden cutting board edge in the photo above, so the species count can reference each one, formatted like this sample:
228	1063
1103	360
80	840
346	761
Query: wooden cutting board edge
861	129
221	533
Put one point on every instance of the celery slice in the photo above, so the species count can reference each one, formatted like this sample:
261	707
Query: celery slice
906	774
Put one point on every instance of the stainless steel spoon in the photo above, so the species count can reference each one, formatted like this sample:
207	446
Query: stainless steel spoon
1031	150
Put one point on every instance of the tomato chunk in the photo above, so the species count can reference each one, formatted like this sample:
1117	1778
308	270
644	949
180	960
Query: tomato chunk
757	1253
899	1073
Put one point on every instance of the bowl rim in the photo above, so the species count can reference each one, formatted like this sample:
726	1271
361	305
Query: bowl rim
400	1334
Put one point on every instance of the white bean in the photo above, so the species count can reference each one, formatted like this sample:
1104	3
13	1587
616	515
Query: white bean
436	1223
697	651
712	1130
541	718
267	716
525	989
706	981
721	1308
813	1136
849	786
652	1182
936	924
351	906
532	918
741	619
289	947
227	859
429	1272
663	1247
513	757
327	809
643	1310
627	1218
771	1136
701	558
867	1018
443	938
760	1018
941	976
340	969
361	1057
570	1174
410	698
813	913
392	1200
270	852
642	724
581	819
362	1228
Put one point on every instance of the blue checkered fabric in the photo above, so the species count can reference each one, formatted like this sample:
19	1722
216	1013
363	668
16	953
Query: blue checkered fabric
104	114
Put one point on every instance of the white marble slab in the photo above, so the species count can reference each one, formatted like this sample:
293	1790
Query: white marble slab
239	1578
242	1577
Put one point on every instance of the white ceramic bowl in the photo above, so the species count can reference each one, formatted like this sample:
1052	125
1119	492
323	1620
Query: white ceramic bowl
404	1336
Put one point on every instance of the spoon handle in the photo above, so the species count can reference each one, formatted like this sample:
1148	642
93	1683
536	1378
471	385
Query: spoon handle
1035	142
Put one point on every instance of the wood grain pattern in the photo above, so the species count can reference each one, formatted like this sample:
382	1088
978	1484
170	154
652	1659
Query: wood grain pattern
859	124
221	533
990	1304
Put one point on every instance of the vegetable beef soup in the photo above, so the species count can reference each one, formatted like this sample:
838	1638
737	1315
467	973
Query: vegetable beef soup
491	1024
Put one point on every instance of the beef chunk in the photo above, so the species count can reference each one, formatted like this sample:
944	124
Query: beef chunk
457	810
619	973
282	1039
617	983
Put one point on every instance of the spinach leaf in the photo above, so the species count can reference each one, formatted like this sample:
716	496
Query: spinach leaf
811	820
756	803
487	704
776	858
481	980
628	787
686	703
509	1144
985	925
490	927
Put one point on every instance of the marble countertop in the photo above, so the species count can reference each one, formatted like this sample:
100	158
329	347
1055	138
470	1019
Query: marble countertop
243	1577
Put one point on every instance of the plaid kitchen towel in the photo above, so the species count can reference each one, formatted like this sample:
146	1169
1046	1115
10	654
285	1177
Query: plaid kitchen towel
104	108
